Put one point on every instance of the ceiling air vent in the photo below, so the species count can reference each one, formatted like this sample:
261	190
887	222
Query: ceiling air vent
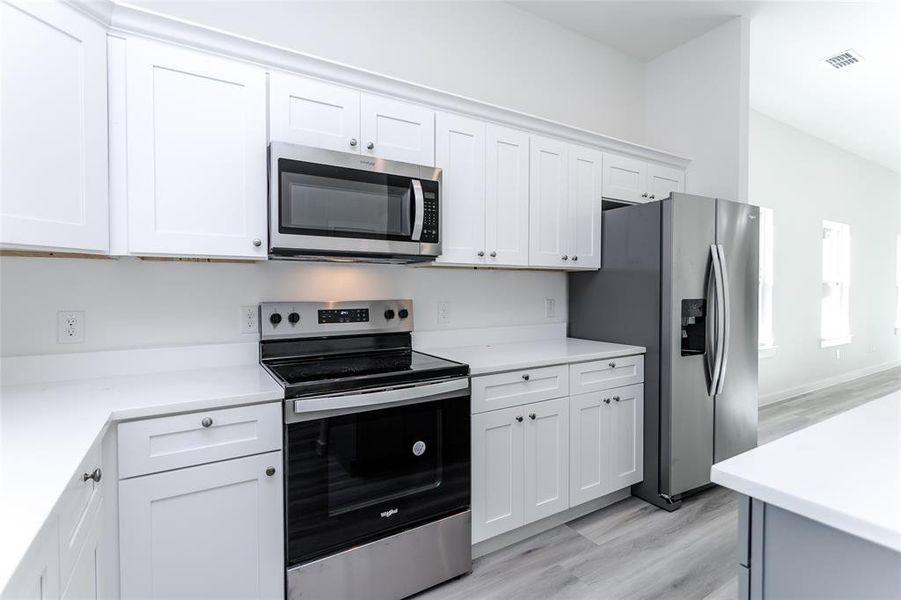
844	59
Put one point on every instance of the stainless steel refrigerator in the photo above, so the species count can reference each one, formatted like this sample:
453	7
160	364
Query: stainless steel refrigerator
679	276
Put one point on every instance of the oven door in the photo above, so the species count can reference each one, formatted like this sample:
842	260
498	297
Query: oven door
333	203
362	466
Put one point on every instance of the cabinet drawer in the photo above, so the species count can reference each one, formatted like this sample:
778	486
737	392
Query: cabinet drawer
78	508
604	374
514	388
155	445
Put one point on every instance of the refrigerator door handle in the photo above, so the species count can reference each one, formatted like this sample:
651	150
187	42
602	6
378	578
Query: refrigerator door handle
716	325
727	318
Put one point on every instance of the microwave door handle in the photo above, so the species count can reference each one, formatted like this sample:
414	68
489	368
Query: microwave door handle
418	210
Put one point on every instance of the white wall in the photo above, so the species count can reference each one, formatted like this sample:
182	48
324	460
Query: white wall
490	51
132	303
696	105
806	180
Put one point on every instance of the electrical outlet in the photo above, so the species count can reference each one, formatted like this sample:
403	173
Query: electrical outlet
249	319
70	326
444	312
550	308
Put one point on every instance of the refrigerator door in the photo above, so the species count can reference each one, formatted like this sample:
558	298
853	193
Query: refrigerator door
735	407
686	408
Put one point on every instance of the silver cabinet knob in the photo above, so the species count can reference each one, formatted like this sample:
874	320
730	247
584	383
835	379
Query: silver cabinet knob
353	142
606	400
270	471
612	365
94	476
532	416
206	422
519	418
257	242
370	145
645	195
493	254
565	257
575	258
616	398
480	253
525	376
652	196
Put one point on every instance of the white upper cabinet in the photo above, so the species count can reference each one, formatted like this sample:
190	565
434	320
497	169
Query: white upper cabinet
548	203
460	153
397	130
625	178
313	113
662	181
507	197
585	207
196	166
634	180
54	129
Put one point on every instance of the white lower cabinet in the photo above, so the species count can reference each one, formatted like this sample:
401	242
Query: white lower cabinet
606	440
37	576
86	578
497	472
546	451
211	531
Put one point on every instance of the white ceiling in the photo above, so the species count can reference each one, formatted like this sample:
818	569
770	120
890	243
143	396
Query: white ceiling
857	108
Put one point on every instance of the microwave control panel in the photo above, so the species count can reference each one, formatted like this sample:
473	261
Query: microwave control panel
430	217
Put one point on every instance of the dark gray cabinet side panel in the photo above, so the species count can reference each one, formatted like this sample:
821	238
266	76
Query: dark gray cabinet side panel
686	409
806	559
621	303
744	530
735	409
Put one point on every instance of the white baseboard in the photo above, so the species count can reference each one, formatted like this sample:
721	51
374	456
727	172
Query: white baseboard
813	386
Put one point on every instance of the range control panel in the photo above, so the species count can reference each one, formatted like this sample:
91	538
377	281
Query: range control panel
285	320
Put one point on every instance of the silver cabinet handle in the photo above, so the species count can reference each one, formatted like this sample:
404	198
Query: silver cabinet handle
532	416
616	398
652	196
519	418
370	146
525	376
606	400
480	253
565	257
493	254
612	365
257	242
270	471
353	142
645	195
206	422
575	258
94	476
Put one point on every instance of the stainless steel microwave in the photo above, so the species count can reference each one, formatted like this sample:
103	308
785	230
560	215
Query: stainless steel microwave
326	205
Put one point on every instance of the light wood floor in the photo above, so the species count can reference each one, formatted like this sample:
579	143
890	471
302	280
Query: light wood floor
633	550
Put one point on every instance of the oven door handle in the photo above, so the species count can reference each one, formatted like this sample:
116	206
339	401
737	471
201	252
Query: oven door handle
380	398
418	210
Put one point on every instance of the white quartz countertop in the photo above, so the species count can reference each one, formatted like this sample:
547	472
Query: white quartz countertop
844	472
46	430
495	358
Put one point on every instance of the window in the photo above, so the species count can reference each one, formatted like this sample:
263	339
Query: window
835	317
765	285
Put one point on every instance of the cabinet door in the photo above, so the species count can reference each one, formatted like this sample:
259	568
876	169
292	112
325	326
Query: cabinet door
213	531
626	435
507	197
460	153
662	181
397	130
589	458
54	190
196	154
546	470
313	113
497	472
625	178
37	575
548	190
85	580
585	207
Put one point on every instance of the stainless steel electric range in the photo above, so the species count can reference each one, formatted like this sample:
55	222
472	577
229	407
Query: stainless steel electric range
377	450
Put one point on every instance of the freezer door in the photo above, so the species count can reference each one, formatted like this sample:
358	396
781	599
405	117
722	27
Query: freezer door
735	407
686	409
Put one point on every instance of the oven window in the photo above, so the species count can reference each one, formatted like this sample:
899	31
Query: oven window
340	202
